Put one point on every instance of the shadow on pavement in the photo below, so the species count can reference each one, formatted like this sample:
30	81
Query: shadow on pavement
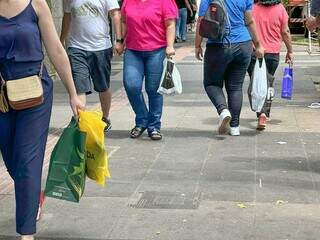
179	133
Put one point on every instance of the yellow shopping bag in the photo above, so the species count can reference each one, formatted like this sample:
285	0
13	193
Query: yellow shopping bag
96	154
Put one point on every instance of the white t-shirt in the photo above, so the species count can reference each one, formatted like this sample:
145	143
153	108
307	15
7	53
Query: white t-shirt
89	28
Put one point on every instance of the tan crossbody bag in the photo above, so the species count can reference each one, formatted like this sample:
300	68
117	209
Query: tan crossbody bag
21	93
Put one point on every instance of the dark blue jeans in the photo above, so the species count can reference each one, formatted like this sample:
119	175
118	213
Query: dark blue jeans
227	66
148	65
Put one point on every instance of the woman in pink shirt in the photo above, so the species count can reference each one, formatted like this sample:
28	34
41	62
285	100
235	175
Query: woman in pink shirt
149	30
272	25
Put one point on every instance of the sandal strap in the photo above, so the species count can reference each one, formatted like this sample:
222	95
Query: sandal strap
136	131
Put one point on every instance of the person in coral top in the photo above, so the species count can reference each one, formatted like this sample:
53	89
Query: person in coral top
149	30
272	26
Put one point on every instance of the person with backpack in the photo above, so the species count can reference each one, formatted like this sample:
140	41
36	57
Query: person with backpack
231	32
272	25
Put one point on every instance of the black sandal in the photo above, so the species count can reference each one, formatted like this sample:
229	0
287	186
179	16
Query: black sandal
137	132
155	135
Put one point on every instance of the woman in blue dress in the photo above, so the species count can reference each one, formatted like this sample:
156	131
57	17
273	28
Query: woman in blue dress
24	24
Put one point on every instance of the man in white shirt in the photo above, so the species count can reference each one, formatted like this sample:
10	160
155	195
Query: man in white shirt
86	34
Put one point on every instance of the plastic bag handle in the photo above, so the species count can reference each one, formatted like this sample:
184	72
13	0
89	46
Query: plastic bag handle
290	65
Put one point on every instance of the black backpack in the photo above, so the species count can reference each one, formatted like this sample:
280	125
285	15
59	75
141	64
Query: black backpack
215	24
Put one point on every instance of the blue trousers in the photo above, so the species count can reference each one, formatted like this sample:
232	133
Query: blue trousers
23	136
137	66
181	29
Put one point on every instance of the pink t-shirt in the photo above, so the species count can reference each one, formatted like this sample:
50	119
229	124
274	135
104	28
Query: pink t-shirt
145	21
270	21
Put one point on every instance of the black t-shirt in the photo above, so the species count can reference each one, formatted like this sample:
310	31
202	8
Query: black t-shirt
181	4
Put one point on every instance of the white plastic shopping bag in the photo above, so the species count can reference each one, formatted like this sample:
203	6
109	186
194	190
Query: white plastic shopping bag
170	79
258	88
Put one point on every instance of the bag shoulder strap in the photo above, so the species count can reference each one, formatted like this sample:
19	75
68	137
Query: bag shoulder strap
41	69
2	82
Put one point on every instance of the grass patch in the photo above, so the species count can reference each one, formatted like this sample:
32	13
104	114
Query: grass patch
301	40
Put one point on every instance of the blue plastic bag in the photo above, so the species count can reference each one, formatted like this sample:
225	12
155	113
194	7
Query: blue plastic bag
287	83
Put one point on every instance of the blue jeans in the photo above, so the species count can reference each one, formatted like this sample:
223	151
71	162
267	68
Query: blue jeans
226	65
137	66
181	29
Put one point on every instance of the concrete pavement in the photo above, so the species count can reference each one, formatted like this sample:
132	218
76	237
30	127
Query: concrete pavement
195	184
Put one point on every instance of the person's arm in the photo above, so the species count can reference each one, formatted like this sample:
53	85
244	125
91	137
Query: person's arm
123	27
251	25
65	27
198	41
195	6
116	18
56	52
189	7
286	37
170	35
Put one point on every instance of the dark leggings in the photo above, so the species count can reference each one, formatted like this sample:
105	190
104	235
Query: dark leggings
272	63
226	65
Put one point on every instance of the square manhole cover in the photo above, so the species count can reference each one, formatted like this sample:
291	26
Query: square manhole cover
166	200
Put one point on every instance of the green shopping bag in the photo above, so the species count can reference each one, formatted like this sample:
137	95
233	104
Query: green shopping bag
67	175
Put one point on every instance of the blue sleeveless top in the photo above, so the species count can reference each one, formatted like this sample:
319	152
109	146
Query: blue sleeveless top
20	45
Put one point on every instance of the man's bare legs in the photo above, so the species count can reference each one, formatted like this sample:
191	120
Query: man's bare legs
83	98
105	100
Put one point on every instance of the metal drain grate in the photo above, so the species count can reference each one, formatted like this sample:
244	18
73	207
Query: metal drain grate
166	200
